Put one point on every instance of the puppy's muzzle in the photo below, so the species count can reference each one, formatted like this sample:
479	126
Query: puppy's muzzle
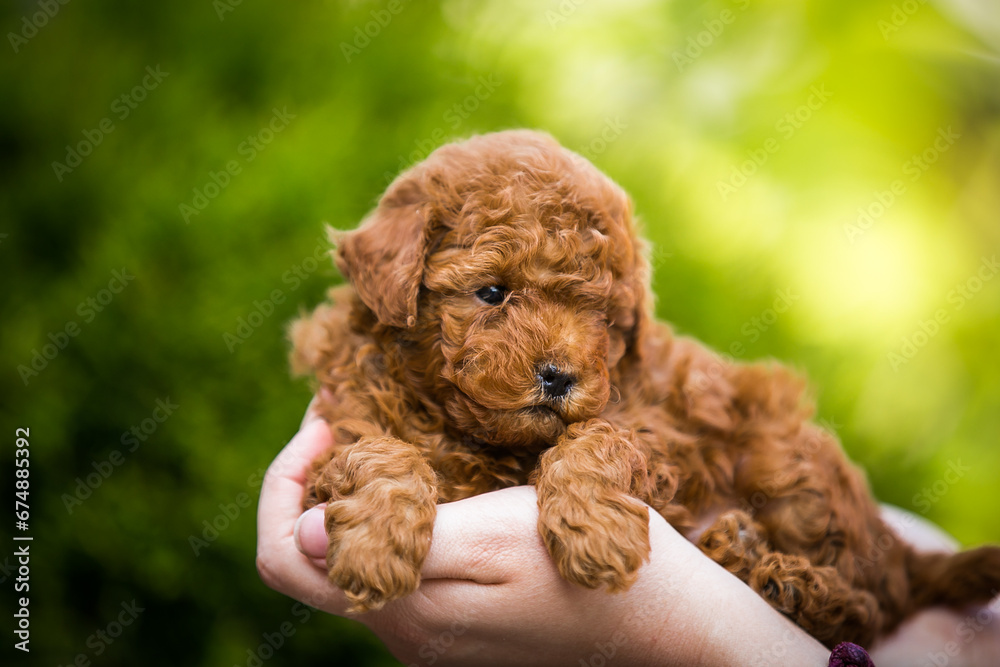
554	382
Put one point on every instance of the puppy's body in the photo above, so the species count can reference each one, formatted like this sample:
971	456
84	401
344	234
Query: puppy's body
498	333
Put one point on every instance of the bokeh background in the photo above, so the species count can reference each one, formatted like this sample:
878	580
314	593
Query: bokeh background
820	180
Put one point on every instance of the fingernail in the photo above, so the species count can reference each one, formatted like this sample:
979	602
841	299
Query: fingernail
310	532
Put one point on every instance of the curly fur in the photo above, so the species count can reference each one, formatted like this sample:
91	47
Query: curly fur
436	396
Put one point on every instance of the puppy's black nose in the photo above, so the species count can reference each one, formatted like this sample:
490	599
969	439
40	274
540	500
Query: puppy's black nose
555	383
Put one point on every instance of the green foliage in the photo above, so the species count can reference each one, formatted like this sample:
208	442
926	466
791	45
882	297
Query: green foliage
762	144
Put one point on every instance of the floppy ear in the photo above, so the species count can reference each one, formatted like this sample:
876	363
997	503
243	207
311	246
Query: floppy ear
636	320
384	257
630	328
643	312
633	320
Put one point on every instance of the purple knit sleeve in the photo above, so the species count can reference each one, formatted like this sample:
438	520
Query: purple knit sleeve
850	655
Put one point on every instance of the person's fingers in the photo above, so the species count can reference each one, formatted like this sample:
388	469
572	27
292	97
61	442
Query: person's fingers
486	538
472	538
284	483
477	542
316	531
281	565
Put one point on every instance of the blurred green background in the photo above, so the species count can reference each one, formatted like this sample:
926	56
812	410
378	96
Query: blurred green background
836	161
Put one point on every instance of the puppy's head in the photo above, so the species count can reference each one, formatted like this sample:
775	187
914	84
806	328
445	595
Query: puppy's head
510	272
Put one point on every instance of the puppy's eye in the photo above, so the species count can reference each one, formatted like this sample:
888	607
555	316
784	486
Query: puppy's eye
493	295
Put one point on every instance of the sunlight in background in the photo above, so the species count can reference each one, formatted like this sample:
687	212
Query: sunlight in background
777	213
859	286
856	294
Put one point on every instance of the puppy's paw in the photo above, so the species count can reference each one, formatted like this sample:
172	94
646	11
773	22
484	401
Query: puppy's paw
373	562
736	542
596	543
817	598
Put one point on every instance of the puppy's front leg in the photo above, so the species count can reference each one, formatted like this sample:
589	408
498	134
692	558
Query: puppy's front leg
382	500
596	532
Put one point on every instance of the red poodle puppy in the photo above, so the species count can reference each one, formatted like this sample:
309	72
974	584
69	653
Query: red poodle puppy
498	331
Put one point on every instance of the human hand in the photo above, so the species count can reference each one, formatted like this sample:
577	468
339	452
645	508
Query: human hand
490	594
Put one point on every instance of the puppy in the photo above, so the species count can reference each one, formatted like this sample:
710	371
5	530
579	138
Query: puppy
498	331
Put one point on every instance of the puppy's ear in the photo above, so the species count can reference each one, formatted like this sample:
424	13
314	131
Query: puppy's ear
637	321
643	315
630	321
384	257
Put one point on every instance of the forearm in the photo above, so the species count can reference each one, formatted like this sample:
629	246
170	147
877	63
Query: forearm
688	610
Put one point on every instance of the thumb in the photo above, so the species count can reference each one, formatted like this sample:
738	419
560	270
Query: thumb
310	535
